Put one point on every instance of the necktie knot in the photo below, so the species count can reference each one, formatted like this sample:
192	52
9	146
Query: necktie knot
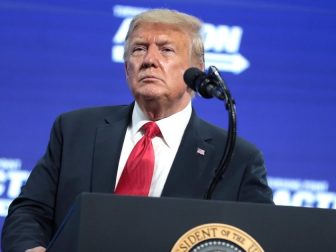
151	129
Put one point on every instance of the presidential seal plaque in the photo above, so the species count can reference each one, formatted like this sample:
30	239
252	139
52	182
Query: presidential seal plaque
216	237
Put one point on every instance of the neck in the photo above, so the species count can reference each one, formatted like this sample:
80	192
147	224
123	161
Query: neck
155	112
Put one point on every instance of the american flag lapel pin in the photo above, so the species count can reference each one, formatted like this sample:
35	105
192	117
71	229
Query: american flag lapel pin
200	151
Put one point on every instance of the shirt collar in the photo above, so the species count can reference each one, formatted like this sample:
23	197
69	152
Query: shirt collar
172	128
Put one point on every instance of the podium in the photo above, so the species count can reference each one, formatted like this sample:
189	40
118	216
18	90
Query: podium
104	222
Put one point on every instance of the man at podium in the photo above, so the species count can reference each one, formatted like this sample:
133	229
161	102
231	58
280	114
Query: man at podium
157	146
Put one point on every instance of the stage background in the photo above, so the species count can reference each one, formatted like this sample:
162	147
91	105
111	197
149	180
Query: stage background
278	58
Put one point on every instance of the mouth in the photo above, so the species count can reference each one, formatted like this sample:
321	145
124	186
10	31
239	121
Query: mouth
149	78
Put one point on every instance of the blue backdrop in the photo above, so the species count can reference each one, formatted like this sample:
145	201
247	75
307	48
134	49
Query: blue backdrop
278	58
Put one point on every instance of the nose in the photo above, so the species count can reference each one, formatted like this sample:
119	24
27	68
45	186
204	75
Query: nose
151	58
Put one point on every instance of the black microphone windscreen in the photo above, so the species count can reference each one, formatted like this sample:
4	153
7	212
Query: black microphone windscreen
191	75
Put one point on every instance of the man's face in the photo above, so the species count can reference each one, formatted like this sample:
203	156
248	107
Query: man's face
157	58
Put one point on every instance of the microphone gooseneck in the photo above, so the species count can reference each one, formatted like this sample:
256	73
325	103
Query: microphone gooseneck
210	85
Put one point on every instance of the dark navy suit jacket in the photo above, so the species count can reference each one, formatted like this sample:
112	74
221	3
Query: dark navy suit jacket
83	155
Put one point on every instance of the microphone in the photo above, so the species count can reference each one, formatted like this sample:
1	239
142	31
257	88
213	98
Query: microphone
208	85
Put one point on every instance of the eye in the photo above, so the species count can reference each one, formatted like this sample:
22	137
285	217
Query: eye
167	50
138	49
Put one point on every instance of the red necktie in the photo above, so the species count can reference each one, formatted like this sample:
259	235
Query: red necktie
137	175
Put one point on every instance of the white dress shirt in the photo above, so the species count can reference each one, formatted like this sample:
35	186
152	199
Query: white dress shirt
165	147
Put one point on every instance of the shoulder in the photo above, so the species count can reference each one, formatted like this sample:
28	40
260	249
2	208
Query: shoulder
94	115
93	112
88	119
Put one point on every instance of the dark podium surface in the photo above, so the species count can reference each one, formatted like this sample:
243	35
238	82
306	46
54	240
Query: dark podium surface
104	222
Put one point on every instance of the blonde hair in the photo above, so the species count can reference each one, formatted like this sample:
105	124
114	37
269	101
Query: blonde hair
190	24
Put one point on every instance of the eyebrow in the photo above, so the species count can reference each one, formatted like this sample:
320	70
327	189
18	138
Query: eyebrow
164	42
160	42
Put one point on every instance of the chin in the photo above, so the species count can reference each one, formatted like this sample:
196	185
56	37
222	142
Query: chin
150	97
148	93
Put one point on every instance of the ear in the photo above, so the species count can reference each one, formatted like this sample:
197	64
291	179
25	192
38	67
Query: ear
202	66
198	63
126	69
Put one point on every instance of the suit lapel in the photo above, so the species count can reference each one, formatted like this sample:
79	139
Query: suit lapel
108	145
191	170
